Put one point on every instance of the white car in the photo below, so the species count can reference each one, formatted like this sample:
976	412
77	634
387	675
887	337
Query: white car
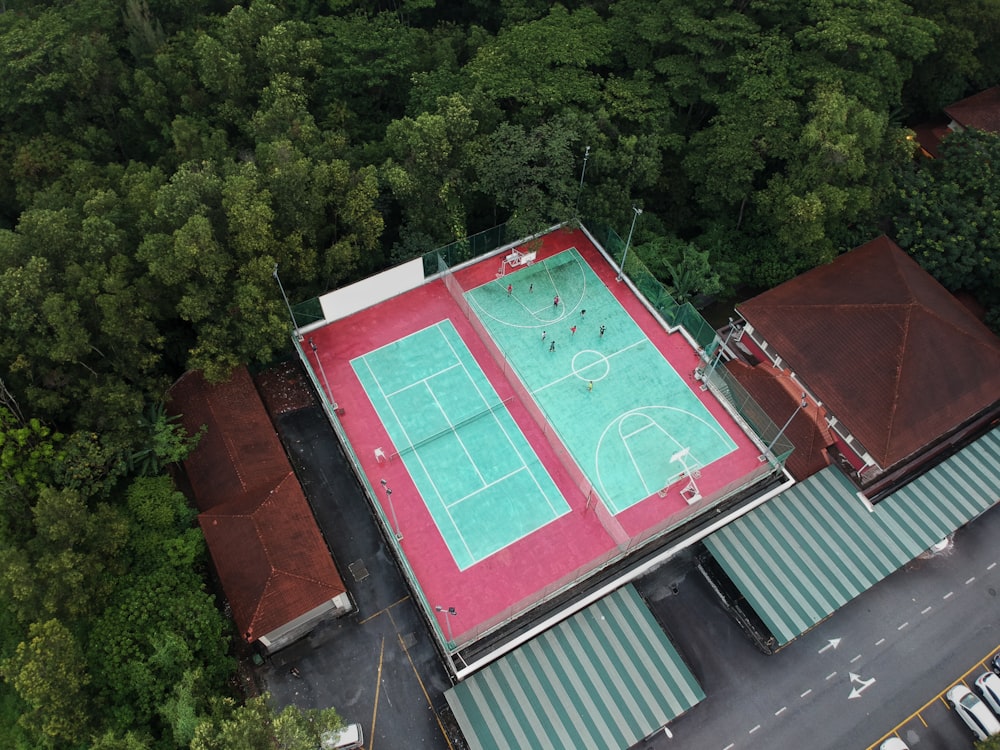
976	714
349	738
988	685
893	743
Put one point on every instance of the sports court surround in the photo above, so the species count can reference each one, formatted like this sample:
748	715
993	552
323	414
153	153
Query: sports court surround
510	581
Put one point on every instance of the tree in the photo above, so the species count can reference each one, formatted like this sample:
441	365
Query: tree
684	269
256	726
948	215
49	673
429	168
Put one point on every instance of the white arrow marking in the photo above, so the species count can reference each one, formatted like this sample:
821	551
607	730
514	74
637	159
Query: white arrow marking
865	684
833	643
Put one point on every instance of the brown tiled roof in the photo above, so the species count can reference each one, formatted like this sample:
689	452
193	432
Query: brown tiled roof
237	453
886	348
271	558
778	395
980	111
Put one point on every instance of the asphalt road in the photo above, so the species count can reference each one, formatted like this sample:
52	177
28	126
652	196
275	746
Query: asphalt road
895	648
378	666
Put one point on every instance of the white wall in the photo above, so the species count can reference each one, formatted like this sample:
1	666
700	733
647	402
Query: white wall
350	299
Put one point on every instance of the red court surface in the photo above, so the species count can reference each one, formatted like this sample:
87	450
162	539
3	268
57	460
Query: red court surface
509	582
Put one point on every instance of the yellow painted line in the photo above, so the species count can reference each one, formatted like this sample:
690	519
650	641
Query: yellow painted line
382	611
378	686
983	663
420	682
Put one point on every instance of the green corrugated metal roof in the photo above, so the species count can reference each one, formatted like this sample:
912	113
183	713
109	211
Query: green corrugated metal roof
605	678
809	551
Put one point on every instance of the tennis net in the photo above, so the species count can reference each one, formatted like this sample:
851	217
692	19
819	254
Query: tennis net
454	427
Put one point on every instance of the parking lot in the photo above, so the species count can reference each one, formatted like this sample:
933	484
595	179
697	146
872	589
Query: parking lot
934	725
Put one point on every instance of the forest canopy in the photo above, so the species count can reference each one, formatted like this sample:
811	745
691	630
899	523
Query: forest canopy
160	158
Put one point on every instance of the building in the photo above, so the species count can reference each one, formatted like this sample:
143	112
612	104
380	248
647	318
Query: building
902	373
273	564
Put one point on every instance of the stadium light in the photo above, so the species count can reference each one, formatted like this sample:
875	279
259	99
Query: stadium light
284	296
802	405
392	510
449	612
628	242
322	371
583	172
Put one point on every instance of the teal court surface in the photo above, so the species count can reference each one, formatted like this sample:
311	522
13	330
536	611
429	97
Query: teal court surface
483	484
626	416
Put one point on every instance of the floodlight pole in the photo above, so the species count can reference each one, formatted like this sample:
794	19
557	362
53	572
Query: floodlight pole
392	510
284	296
628	242
802	405
583	172
322	371
449	612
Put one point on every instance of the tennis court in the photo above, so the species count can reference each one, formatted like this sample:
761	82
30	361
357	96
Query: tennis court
628	419
481	481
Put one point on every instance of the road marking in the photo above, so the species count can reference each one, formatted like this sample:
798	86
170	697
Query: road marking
781	710
903	625
925	610
832	643
991	566
754	729
730	746
855	658
970	580
880	641
948	595
806	693
831	675
864	685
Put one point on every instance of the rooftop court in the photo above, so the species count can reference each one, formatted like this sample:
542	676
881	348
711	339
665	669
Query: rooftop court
516	442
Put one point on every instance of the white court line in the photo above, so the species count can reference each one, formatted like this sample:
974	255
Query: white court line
422	381
420	461
461	442
511	442
488	485
572	374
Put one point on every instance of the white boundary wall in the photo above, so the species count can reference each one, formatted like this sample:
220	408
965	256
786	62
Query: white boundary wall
363	294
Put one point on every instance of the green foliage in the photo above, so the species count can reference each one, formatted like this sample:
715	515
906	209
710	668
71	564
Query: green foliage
256	726
993	743
49	674
948	215
685	270
168	443
27	449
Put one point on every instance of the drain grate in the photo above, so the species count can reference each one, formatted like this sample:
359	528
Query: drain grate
358	570
409	640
